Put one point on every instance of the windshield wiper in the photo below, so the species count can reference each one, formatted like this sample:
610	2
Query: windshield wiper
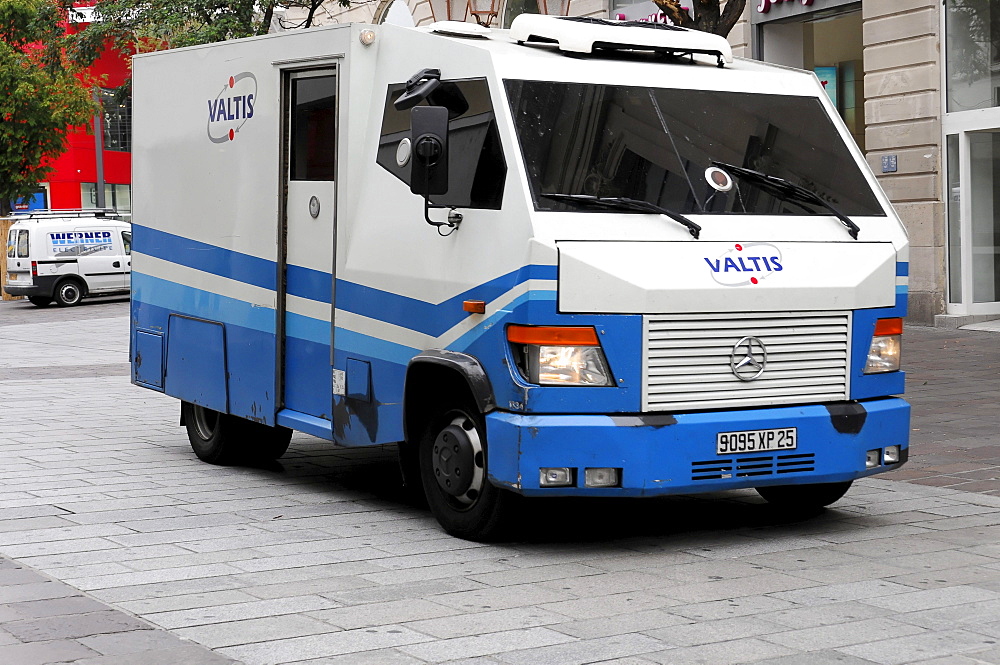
789	191
625	203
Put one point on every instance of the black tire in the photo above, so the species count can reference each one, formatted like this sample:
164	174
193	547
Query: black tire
219	438
268	443
213	435
804	497
68	293
453	460
39	301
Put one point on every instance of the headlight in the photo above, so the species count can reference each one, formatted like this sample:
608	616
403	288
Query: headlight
559	355
886	347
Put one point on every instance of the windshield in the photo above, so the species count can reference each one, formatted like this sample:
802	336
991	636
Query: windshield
655	145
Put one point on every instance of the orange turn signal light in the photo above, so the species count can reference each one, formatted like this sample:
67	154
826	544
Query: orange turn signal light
474	306
553	335
888	327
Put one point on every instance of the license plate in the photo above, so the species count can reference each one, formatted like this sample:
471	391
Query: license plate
12	277
756	441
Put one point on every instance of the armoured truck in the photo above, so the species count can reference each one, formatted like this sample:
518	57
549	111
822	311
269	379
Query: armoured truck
576	258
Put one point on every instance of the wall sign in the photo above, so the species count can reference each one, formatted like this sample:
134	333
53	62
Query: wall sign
764	6
775	10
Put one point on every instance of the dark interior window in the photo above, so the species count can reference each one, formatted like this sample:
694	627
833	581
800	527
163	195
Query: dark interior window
127	241
476	166
313	128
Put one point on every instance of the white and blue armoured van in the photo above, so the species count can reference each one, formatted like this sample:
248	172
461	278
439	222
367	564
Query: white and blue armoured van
577	258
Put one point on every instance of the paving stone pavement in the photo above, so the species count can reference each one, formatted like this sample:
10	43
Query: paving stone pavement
121	547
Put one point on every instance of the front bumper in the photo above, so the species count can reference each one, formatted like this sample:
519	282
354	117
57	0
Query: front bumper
664	454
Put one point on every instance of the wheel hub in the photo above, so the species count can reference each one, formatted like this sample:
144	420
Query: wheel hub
454	459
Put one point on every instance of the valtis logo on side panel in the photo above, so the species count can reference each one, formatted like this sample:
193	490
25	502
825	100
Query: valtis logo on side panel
232	107
743	265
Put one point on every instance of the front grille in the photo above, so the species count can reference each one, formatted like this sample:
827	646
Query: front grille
687	360
753	466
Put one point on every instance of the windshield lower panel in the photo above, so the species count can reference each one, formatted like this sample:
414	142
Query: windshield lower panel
656	144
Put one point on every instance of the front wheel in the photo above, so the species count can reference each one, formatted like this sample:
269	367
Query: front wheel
804	497
453	462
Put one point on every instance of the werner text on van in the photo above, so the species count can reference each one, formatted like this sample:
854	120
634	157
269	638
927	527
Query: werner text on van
644	269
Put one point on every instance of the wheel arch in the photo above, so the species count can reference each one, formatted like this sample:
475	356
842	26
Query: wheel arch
77	279
433	377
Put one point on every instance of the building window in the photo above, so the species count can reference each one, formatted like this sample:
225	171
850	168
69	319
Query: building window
973	54
118	197
117	120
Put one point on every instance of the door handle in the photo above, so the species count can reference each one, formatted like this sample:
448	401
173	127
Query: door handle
117	264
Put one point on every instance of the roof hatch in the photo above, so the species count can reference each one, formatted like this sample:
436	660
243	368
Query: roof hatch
578	34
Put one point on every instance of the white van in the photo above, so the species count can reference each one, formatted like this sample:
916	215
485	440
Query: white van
67	255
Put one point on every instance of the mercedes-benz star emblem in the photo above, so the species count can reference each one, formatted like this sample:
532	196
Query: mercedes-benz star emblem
748	359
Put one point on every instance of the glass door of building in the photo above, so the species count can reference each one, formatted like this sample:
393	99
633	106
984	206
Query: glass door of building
973	210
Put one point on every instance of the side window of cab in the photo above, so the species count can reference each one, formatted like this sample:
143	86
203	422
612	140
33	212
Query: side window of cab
127	241
477	169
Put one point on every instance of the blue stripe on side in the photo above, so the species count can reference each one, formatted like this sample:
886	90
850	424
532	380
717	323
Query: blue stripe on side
204	304
469	338
902	269
205	257
309	283
351	342
902	289
307	328
429	318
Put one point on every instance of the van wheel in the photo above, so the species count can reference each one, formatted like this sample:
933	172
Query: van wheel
805	497
68	293
453	465
39	301
213	435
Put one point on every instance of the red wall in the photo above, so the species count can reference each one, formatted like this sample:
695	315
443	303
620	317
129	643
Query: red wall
78	164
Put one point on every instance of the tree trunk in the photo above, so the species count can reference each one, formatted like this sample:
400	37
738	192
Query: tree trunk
709	16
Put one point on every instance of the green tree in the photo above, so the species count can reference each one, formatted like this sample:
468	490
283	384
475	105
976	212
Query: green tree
715	16
152	25
42	94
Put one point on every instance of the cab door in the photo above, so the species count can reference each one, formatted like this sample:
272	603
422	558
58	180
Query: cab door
308	239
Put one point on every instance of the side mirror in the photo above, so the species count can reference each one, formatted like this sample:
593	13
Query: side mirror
429	141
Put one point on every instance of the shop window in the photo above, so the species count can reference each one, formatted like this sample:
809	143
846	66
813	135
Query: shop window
117	120
972	30
984	210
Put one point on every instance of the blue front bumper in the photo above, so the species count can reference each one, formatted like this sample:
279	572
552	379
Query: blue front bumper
662	454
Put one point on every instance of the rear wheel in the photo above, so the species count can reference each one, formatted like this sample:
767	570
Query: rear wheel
39	301
212	434
805	497
68	293
219	438
453	460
